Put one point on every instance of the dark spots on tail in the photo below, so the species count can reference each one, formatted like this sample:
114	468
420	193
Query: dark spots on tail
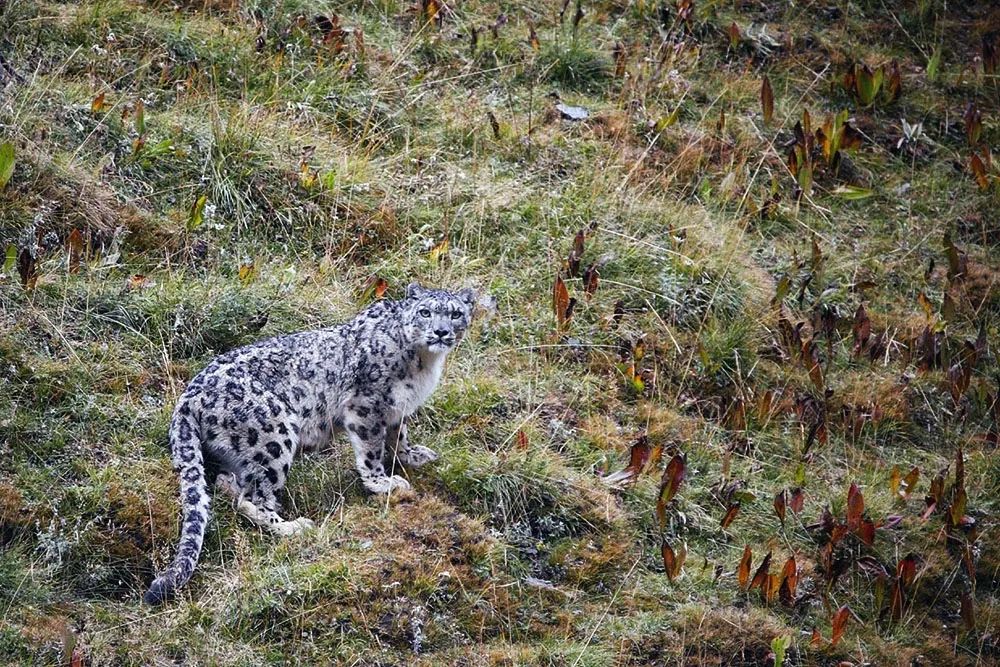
186	453
272	475
252	437
274	449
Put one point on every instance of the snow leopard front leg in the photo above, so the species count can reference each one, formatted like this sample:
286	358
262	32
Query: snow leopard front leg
403	451
367	429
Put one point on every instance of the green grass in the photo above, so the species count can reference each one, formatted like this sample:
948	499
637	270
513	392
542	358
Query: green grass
321	164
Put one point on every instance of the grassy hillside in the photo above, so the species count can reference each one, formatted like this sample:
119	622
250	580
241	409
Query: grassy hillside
747	306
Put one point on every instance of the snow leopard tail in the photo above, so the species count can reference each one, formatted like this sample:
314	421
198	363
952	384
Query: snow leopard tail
189	462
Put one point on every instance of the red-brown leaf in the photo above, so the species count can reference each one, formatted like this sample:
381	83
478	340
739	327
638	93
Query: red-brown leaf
591	278
866	531
521	439
560	303
973	120
767	100
979	171
763	570
893	82
730	515
906	569
838	533
839	622
27	268
780	501
670	482
638	456
897	601
789	581
855	507
862	329
959	469
576	254
743	571
967	611
810	357
894	479
798	500
909	482
74	248
669	560
673	475
673	562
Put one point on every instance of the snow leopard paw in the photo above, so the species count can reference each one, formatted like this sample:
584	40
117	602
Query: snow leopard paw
385	484
417	456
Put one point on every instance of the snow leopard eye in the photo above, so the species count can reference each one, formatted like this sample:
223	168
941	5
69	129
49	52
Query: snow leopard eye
456	314
424	312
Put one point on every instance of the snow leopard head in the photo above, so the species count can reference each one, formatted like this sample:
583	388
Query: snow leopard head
436	320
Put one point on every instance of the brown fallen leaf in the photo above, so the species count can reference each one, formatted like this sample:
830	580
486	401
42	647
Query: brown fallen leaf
521	439
575	254
638	457
743	570
670	482
560	303
673	562
74	248
730	515
839	622
767	100
798	500
855	507
780	502
98	104
763	571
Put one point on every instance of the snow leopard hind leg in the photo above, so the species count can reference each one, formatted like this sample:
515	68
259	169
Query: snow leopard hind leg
258	473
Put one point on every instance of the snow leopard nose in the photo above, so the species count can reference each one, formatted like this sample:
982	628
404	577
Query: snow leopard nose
441	333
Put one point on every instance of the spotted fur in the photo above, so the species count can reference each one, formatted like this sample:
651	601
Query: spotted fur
251	410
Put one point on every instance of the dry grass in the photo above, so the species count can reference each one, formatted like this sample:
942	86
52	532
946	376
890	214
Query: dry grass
326	160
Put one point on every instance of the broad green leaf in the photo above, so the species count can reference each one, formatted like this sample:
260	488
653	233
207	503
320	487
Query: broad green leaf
852	192
868	83
6	162
805	178
778	646
10	259
197	213
666	121
934	64
140	117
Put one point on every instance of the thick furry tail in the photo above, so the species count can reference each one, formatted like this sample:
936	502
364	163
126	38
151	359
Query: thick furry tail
189	462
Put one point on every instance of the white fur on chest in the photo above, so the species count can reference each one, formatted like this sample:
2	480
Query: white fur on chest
410	393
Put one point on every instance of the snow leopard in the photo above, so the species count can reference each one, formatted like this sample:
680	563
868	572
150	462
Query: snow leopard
253	409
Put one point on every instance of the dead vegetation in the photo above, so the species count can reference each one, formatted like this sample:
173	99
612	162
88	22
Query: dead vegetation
738	404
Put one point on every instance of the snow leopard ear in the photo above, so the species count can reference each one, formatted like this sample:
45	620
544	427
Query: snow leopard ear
414	290
468	296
